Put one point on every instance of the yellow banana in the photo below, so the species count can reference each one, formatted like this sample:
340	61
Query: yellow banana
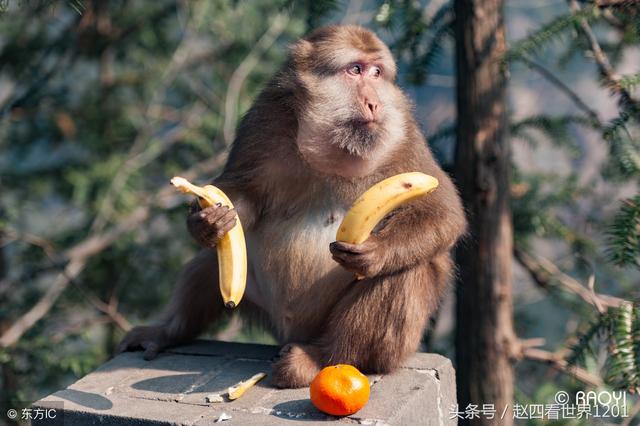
232	249
237	390
379	200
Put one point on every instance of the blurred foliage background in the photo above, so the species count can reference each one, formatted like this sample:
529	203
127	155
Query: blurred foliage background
101	102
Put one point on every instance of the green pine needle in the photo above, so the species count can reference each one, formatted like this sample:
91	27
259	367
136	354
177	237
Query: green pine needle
630	82
586	341
624	234
549	33
555	128
622	368
624	149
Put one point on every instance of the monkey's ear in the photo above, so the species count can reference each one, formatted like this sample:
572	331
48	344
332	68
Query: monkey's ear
301	51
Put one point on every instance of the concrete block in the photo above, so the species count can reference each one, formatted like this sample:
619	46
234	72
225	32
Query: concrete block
172	389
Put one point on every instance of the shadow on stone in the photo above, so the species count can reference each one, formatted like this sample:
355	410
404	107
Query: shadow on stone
173	383
86	399
178	383
299	410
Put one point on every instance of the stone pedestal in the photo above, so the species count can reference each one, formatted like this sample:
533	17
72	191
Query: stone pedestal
172	389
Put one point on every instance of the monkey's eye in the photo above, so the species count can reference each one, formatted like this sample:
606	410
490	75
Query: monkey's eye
376	72
355	69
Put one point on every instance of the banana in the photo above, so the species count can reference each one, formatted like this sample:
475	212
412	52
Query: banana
379	200
232	249
237	390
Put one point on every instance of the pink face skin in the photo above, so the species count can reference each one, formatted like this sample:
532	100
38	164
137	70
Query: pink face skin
354	118
365	76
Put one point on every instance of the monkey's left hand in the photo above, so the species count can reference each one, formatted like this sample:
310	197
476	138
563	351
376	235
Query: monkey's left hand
364	259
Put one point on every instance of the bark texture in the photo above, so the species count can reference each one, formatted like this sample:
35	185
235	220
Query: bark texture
484	333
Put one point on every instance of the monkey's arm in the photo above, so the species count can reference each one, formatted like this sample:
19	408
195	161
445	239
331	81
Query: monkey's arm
196	300
414	233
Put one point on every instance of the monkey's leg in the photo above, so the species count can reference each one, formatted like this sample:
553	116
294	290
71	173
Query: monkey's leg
195	303
381	321
297	366
377	324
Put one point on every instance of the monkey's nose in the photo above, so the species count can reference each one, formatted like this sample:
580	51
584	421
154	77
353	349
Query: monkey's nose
372	109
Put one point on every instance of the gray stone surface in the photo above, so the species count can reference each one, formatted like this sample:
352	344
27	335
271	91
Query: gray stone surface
172	388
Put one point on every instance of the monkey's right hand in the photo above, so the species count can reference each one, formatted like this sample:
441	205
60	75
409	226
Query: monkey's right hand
207	226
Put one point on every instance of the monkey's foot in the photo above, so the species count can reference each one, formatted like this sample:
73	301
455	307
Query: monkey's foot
151	339
297	367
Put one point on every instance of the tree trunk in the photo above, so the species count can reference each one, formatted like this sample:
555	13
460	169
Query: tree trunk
484	332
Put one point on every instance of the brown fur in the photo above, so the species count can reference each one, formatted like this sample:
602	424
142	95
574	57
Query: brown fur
292	174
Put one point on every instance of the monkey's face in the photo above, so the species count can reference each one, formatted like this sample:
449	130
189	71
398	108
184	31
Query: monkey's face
353	114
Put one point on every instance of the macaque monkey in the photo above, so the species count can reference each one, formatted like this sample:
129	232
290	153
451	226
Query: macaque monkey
331	123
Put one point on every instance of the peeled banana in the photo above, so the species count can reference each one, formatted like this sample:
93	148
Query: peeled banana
232	249
379	200
237	390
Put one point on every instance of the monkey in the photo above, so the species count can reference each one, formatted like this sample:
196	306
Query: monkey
330	123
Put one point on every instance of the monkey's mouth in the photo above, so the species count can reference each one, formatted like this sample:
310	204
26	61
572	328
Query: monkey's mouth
357	136
369	123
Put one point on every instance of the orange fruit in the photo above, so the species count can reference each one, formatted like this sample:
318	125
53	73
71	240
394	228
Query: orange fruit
339	390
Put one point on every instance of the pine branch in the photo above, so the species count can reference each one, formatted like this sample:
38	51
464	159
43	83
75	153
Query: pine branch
77	256
606	70
618	319
556	128
546	274
622	367
624	150
137	158
71	270
109	309
629	82
597	328
612	19
423	64
624	234
551	77
550	32
556	361
412	24
422	38
240	74
623	370
616	3
442	16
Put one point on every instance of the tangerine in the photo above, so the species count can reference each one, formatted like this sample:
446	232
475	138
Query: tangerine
339	390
